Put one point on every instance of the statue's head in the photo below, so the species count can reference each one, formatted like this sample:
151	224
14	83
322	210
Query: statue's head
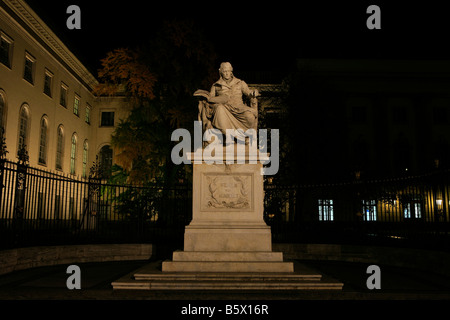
226	70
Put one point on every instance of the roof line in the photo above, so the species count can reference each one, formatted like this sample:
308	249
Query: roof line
42	33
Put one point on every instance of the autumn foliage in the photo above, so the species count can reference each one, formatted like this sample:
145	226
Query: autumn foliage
158	78
124	67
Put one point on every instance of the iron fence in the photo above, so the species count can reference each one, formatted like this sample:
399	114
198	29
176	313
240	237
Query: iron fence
38	207
405	211
46	208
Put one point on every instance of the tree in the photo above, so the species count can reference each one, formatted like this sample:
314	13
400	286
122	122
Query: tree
158	79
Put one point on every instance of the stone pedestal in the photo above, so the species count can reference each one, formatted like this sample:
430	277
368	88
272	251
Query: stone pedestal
227	232
227	245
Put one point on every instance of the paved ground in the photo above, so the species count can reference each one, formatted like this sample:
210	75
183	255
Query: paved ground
49	283
43	291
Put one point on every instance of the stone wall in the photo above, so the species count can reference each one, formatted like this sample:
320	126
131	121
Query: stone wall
24	258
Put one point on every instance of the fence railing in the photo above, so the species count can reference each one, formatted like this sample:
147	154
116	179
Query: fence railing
410	210
45	208
38	207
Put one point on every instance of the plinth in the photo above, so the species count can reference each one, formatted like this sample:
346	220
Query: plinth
227	232
227	245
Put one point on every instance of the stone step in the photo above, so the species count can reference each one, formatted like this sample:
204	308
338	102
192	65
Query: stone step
227	256
150	277
244	277
227	285
227	266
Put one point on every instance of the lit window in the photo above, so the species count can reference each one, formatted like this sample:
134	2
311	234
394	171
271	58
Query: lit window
369	208
48	80
43	142
76	105
63	95
85	158
73	154
326	210
28	73
412	210
59	148
6	45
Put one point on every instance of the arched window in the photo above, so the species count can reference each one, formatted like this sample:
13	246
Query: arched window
59	147
73	153
85	157
43	141
24	124
2	111
105	158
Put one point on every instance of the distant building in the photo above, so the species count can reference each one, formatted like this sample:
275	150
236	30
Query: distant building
377	118
46	100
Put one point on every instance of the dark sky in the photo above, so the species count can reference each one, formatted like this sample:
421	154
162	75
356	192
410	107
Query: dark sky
259	35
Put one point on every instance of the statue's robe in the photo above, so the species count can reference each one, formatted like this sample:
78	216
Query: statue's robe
228	109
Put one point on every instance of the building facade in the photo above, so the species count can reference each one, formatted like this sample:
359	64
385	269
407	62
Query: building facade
46	100
378	118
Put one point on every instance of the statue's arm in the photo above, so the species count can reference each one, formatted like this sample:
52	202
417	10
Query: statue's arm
222	99
250	93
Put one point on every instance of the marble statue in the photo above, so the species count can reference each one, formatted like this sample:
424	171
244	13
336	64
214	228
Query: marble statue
223	106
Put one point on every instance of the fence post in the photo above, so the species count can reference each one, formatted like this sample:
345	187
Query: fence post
3	153
19	199
94	182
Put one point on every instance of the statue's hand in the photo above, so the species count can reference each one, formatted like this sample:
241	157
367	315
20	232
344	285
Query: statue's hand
255	93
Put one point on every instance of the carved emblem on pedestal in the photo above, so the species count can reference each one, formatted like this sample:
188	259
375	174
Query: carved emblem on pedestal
225	192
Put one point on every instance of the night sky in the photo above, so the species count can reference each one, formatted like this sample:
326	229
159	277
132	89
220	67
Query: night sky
259	35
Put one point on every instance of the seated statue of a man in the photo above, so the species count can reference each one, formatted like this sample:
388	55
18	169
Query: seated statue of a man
225	108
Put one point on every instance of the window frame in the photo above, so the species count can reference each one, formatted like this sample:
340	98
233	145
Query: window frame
43	145
369	209
59	148
9	55
48	75
412	209
76	105
85	158
326	209
63	88
101	118
73	153
87	114
32	60
23	139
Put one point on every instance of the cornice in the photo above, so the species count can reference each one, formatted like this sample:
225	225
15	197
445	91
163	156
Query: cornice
51	41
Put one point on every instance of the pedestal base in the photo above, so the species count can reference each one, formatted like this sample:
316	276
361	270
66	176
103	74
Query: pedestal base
185	261
150	278
227	245
227	238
